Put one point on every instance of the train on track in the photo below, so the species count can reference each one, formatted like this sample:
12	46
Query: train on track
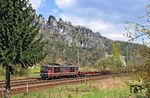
67	70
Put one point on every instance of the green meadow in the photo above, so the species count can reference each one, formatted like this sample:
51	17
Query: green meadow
107	88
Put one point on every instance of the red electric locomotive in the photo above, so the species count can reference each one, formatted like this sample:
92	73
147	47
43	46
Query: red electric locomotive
57	70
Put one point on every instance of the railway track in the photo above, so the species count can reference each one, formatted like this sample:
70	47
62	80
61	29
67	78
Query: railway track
15	80
19	80
25	86
30	87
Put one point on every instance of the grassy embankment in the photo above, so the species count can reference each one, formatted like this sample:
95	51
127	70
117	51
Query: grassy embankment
107	88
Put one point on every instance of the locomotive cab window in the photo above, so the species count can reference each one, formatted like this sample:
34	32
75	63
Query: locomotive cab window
72	69
44	68
56	69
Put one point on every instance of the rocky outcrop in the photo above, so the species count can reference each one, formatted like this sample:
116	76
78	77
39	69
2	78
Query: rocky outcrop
79	36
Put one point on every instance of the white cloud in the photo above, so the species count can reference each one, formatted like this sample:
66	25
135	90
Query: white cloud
74	19
91	18
109	24
100	25
54	11
109	30
63	4
116	36
36	3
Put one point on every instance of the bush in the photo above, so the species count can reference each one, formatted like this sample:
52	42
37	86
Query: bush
1	71
20	71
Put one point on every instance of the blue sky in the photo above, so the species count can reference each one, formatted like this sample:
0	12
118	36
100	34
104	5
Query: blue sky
104	16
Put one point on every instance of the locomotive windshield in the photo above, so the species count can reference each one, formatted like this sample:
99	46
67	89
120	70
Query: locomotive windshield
44	68
72	69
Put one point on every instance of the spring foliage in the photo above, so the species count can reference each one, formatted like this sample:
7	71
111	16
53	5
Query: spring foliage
142	30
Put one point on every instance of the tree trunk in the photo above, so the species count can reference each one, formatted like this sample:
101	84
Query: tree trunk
7	76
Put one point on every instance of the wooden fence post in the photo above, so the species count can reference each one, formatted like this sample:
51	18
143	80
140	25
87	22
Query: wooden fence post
2	91
85	80
76	90
66	87
27	88
59	93
49	94
90	86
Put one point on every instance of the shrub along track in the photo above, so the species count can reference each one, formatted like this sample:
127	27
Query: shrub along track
31	85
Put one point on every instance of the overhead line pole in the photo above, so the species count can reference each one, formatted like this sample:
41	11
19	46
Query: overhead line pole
78	55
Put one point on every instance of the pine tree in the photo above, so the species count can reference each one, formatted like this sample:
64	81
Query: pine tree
19	44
